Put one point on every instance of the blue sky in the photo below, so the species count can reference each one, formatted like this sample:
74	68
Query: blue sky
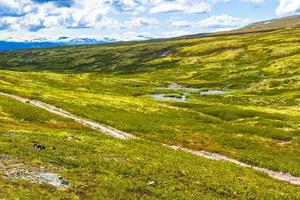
48	20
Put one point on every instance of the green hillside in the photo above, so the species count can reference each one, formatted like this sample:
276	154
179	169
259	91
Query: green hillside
285	22
235	94
250	58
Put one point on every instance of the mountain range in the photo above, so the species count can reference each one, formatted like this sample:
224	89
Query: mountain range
61	41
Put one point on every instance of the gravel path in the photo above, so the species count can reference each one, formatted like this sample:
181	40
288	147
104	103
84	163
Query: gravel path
121	135
52	109
214	156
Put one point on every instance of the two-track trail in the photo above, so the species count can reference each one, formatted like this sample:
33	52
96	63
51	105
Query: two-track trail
122	135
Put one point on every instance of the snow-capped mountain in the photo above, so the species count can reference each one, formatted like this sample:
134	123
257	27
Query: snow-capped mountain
43	42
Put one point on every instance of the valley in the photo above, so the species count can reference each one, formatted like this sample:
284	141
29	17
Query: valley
235	96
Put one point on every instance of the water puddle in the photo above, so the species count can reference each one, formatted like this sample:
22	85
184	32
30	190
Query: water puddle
182	98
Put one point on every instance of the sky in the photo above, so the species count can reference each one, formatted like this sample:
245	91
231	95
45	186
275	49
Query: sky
49	20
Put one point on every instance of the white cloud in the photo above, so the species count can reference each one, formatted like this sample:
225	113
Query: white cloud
219	23
83	14
175	34
186	6
288	7
131	35
110	17
30	15
254	1
218	1
129	6
15	7
222	21
222	29
181	23
140	21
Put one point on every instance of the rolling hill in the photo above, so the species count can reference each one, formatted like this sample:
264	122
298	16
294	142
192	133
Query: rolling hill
285	22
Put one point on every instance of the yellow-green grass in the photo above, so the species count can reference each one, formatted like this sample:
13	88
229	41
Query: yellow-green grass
101	167
246	127
258	122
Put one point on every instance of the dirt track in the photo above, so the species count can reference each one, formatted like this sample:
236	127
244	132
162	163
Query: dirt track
52	109
122	135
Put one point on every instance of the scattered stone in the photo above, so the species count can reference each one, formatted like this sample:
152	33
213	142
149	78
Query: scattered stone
151	183
71	137
52	148
39	147
51	178
13	169
65	182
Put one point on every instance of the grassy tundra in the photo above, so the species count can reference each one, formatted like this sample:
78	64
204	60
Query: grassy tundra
258	122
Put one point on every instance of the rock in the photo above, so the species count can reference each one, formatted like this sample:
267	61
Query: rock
151	183
14	169
65	182
71	137
39	147
52	179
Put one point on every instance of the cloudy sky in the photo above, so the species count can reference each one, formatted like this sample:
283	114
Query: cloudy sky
131	19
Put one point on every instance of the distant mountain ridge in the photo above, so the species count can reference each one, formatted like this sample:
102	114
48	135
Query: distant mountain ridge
62	41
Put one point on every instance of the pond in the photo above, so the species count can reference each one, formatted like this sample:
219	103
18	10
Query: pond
182	98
